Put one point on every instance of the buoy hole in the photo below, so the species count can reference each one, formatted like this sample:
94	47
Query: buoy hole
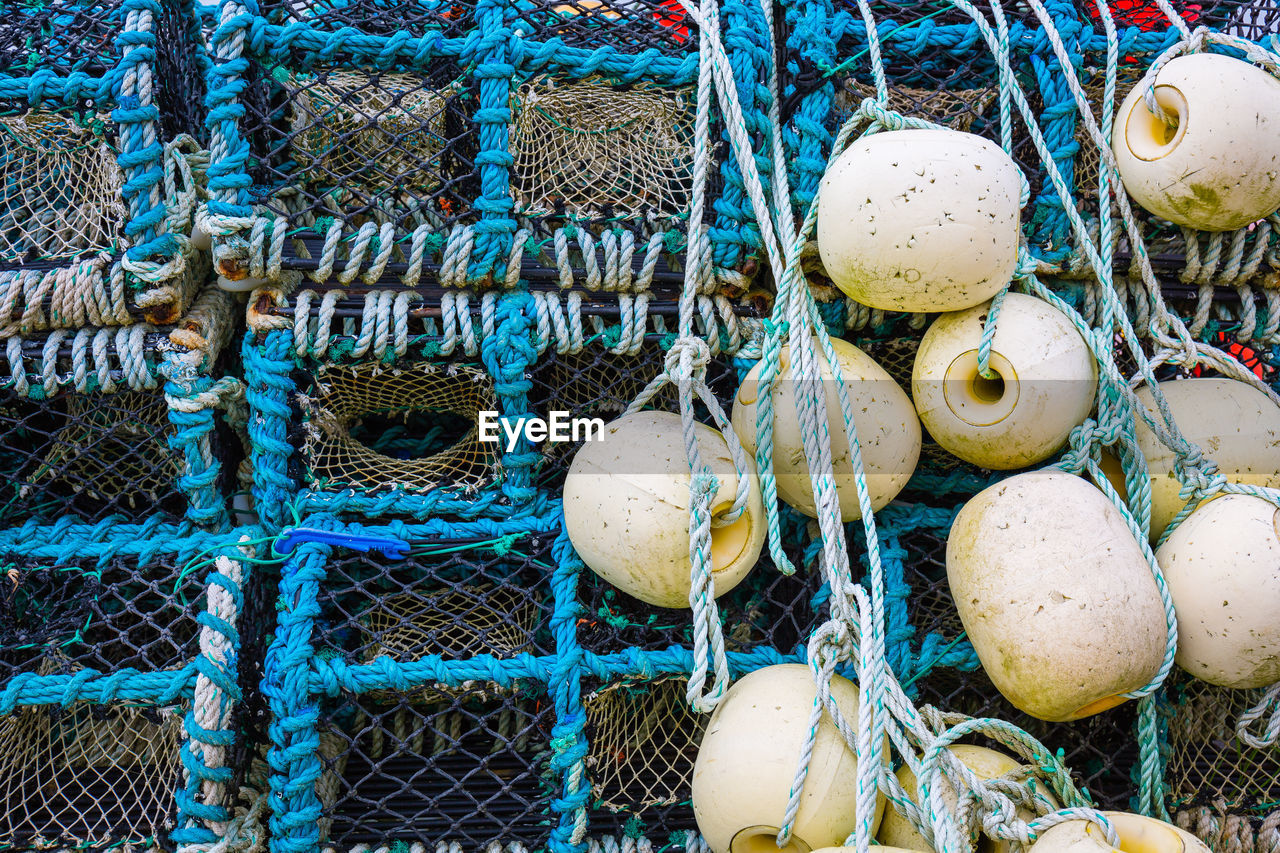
988	390
729	540
1148	135
764	839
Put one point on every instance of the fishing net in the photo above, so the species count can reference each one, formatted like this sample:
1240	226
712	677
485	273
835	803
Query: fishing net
368	133
1220	787
93	774
382	147
412	427
658	25
643	738
92	455
588	149
63	35
469	766
59	187
97	775
455	600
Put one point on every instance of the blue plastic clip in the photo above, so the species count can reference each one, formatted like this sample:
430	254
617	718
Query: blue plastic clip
396	549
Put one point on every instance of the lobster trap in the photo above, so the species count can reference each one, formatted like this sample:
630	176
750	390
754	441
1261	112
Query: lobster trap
110	733
113	423
99	163
414	165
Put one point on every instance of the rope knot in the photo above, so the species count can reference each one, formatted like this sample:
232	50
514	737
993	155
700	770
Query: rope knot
687	358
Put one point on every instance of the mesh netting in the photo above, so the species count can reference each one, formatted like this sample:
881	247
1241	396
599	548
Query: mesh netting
62	35
395	147
625	25
440	601
957	109
1210	769
470	766
62	619
412	427
90	455
88	775
643	738
59	188
587	148
368	133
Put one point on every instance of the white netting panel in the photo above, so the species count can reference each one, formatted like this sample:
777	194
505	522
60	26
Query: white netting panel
587	148
86	774
59	189
643	740
380	457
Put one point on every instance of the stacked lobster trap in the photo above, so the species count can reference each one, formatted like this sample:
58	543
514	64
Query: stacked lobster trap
453	215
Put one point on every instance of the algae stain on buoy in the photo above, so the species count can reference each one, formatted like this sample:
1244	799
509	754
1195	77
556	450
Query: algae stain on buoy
1045	383
1217	168
748	759
920	220
626	509
1056	595
1137	834
1222	565
887	427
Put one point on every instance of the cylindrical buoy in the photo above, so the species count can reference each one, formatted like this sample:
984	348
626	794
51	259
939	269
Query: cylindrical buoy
897	831
1138	834
1222	565
201	240
1235	424
888	431
1055	595
1045	385
920	220
748	759
1217	168
240	285
626	509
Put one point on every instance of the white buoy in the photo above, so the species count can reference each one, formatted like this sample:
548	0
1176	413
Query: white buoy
1217	168
240	285
748	759
1045	385
888	431
1138	834
626	509
1235	424
1222	565
897	831
201	240
920	220
1055	595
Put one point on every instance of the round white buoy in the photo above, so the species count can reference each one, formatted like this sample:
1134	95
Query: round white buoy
1222	565
888	431
920	220
1056	595
748	760
897	831
1045	385
1138	834
626	509
1235	424
1217	168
